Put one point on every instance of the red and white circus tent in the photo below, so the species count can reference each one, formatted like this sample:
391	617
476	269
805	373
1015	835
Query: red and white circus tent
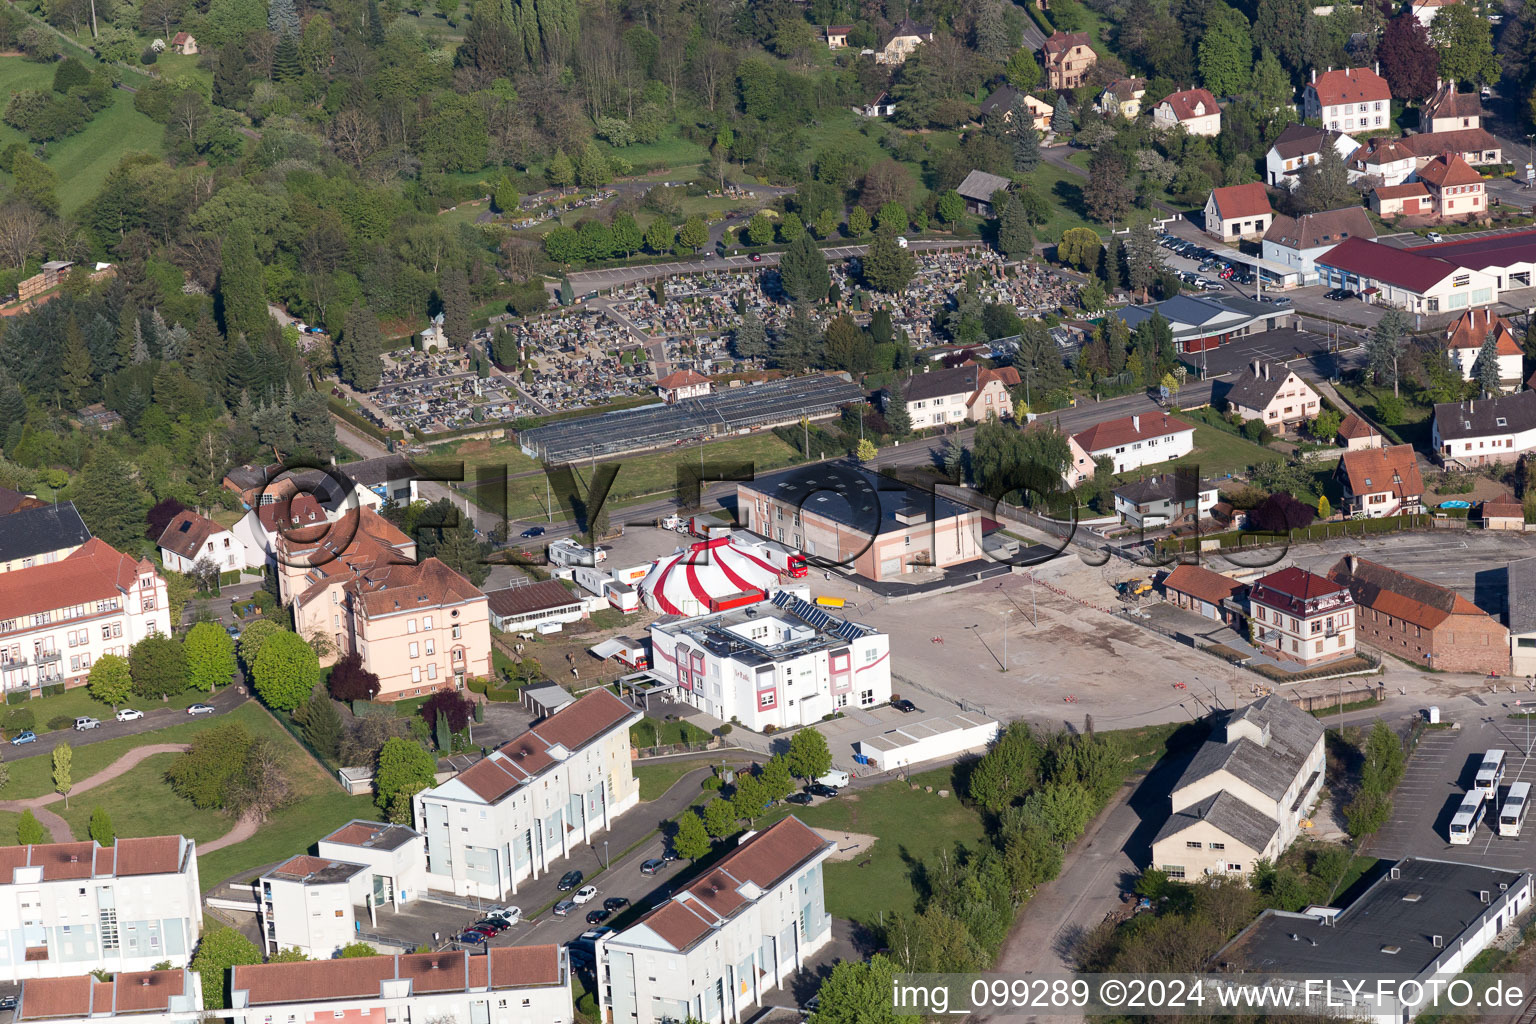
708	576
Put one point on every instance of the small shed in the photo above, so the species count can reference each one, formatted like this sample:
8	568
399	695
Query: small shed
546	699
356	781
928	740
977	190
1503	513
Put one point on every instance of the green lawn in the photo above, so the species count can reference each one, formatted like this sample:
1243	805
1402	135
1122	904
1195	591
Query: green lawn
648	732
320	808
8	822
78	703
656	777
142	803
1217	453
1064	190
670	153
1417	415
82	161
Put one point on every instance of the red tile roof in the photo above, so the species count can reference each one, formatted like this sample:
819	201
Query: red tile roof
1250	200
187	533
1462	140
1190	103
83	996
1399	594
360	978
1401	267
1060	43
1354	427
93	572
389	589
1448	169
681	379
1350	85
152	855
1407	190
1471	329
1127	430
1393	469
1290	588
1197	581
292	515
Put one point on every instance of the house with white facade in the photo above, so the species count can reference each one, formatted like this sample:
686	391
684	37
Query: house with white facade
965	394
1195	110
1450	110
391	477
1164	500
1276	397
1141	439
1297	242
1466	335
190	538
675	387
737	932
72	908
504	985
1245	792
1382	481
519	812
1350	99
1238	211
57	619
1298	146
1382	162
782	664
1300	616
1484	431
904	38
143	997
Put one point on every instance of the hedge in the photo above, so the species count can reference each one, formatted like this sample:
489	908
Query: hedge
495	693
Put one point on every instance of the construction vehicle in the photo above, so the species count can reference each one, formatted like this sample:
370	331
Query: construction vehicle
1133	588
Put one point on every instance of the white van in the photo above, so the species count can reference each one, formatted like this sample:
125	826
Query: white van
836	778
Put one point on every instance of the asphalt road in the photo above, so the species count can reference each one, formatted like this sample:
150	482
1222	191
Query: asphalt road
155	717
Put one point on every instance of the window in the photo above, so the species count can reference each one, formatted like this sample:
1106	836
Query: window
457	632
1175	871
431	646
1218	846
1193	845
867	698
765	700
415	649
415	673
410	626
432	670
426	623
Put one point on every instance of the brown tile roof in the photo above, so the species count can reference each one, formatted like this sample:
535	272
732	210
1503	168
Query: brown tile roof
56	997
1353	427
187	533
360	978
1249	200
1503	507
1061	43
535	597
762	860
681	379
281	515
1448	102
83	996
93	572
524	756
1302	140
15	501
1407	190
1448	169
1392	469
1398	594
1197	581
390	589
152	855
374	835
1290	588
1471	329
1378	151
1128	429
1462	140
1124	89
1315	230
1350	85
1189	103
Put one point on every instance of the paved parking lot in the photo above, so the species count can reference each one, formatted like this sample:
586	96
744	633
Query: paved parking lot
1440	774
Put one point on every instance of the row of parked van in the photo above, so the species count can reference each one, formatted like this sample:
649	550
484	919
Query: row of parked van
1484	797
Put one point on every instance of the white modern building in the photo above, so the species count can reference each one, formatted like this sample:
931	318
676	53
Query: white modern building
1297	242
1434	281
1131	442
713	950
505	985
540	795
929	740
72	908
57	619
363	870
784	664
143	997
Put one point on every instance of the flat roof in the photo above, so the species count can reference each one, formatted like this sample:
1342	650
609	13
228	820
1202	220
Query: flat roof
849	495
916	732
372	835
1482	253
1389	929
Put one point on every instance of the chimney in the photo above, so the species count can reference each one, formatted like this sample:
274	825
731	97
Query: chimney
1266	371
1378	68
1135	422
1354	563
144	983
1255	367
1314	76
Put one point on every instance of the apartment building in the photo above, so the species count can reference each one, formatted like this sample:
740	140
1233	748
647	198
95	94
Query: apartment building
142	997
1300	616
33	533
1480	432
1348	100
505	985
965	394
1244	793
537	797
1421	622
781	664
713	950
68	908
1456	191
417	626
57	618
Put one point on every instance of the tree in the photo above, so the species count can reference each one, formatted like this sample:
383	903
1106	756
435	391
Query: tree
453	291
1324	184
1279	513
1061	117
219	952
658	236
1464	40
798	346
750	799
750	339
356	951
404	769
826	223
759	229
322	725
1324	509
1015	238
560	172
111	499
777	780
253	636
808	756
63	771
719	817
1023	70
866	450
887	266
1384	346
1225	51
110	680
848	346
950	207
210	654
803	270
100	828
454	708
1009	770
242	301
1487	367
858	222
30	831
692	837
1409	61
1022	137
158	664
1080	248
1108	193
858	992
897	417
285	670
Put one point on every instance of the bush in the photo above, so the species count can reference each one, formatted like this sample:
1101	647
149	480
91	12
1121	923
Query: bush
20	720
17	696
53	689
711	783
149	56
264	601
58	722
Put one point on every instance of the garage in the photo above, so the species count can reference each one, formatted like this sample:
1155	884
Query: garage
928	740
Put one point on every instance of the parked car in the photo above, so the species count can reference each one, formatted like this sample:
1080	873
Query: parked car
570	880
470	938
481	929
201	709
757	258
491	926
1435	236
586	894
86	722
1208	285
7	1002
798	798
564	907
821	789
25	736
613	903
507	915
129	715
533	531
233	631
1281	300
905	706
652	866
581	958
598	916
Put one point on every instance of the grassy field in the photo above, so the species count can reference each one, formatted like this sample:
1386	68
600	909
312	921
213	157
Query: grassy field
8	822
656	777
1217	453
1064	190
1417	416
670	153
78	703
82	161
142	803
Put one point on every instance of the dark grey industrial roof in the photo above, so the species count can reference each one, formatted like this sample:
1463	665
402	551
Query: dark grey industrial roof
1428	898
1480	418
726	411
1245	824
1270	768
1520	580
848	496
35	531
